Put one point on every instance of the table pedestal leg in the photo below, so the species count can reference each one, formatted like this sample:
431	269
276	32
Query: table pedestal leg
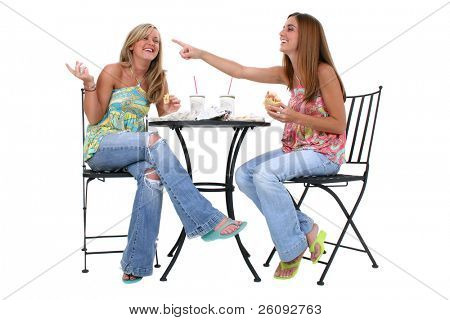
231	161
175	257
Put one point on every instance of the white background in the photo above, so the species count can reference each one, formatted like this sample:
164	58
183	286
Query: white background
404	215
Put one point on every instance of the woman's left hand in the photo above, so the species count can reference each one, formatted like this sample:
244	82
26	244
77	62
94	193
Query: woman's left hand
281	112
173	105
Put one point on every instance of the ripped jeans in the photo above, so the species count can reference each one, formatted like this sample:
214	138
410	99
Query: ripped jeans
133	151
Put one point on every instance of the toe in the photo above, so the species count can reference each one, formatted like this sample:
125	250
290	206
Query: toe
278	271
288	273
316	252
231	228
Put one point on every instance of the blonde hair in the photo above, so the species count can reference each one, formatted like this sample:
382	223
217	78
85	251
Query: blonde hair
155	74
312	49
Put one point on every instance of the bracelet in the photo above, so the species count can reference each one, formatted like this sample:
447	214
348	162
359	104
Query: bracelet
90	89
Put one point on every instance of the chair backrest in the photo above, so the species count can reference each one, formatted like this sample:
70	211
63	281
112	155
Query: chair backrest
361	120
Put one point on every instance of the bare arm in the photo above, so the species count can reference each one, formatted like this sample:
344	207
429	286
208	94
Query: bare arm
234	69
96	101
332	96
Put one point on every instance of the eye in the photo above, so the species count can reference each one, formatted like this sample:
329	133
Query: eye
145	38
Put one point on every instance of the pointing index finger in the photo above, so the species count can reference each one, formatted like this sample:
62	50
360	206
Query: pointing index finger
179	42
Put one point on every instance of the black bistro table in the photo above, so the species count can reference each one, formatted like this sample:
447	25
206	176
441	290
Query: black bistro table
240	130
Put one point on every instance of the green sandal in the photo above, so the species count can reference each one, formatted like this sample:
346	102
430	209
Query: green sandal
217	234
285	265
320	239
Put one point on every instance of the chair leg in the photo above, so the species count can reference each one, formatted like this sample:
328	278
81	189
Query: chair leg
157	265
366	248
269	258
85	193
301	198
344	230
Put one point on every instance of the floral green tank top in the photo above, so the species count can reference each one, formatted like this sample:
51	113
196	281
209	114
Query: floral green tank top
126	111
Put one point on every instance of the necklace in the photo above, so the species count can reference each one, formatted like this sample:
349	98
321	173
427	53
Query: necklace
138	81
299	82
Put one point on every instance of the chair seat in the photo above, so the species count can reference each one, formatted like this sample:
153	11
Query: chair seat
327	179
122	173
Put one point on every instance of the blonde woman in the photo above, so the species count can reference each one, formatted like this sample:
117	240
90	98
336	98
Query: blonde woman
314	135
115	107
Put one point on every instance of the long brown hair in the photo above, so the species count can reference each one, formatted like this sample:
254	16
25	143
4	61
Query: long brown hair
312	49
155	74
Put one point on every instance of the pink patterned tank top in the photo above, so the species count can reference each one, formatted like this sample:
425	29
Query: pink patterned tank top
296	136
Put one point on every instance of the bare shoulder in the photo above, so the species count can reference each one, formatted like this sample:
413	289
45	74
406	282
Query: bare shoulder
113	70
110	75
325	72
330	84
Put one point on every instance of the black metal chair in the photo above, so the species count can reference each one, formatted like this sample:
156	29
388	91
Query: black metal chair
88	176
359	154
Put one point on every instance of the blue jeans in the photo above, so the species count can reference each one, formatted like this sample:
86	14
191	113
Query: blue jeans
261	179
131	150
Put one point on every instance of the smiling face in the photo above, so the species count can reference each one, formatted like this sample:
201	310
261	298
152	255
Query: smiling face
148	47
289	36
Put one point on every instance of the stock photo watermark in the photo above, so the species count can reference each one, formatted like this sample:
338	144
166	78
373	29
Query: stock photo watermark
206	147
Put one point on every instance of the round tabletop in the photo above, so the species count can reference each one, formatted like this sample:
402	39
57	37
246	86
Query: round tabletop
209	124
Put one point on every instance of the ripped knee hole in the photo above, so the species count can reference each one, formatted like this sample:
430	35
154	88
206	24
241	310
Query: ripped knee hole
151	174
153	138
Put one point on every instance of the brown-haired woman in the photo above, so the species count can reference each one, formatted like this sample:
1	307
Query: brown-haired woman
314	135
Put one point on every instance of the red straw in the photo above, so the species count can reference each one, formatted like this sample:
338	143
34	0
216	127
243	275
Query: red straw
229	87
195	84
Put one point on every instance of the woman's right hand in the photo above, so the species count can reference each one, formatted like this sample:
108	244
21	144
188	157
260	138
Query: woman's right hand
187	51
82	73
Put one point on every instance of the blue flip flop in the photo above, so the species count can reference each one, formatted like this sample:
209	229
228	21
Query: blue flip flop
216	234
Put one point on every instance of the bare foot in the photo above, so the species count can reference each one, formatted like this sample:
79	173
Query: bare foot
228	229
128	277
287	272
311	237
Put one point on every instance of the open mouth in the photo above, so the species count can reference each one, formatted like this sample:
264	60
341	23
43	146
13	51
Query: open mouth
149	50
